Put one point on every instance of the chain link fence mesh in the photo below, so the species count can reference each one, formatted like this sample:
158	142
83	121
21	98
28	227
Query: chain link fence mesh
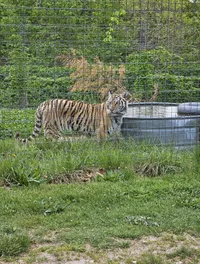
82	49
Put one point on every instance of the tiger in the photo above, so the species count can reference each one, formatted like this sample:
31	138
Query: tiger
58	115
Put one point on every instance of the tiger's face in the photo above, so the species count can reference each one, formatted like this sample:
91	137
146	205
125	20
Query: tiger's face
116	104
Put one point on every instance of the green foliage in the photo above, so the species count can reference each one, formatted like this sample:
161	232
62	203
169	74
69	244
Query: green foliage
33	34
13	121
183	253
115	175
117	205
56	38
150	258
36	85
46	161
91	97
99	212
114	20
146	69
52	207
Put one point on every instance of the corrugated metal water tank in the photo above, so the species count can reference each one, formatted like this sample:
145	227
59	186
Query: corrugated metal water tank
161	124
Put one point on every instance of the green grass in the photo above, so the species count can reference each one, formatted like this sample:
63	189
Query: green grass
151	259
183	253
134	192
13	242
48	161
15	120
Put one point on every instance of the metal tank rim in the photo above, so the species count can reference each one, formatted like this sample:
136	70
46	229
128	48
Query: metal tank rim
180	116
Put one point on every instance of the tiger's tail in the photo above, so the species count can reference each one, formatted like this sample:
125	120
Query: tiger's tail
37	128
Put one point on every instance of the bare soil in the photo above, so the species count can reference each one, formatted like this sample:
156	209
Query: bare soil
168	248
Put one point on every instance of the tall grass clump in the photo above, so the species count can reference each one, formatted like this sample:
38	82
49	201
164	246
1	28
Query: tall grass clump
13	242
150	258
159	161
44	160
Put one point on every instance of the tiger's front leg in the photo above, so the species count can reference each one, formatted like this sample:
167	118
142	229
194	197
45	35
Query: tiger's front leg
116	136
102	135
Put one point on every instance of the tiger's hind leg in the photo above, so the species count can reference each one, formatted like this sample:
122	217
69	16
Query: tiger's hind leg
51	132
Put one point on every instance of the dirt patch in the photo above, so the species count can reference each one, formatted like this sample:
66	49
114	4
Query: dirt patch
168	249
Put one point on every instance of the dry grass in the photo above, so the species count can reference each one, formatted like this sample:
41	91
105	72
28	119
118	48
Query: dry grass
167	248
96	76
85	175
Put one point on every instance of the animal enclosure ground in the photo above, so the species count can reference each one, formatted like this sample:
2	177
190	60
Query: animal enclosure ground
86	202
167	248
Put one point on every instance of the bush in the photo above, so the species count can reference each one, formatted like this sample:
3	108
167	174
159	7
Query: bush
161	67
174	88
13	121
39	84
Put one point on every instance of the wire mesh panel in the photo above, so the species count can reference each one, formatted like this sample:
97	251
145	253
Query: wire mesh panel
81	50
115	89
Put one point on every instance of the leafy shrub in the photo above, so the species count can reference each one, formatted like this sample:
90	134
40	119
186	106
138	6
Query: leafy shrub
161	67
178	88
13	121
39	84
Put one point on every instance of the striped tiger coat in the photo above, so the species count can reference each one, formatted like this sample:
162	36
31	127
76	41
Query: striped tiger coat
58	115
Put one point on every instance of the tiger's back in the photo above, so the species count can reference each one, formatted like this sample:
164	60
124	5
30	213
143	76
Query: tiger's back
58	115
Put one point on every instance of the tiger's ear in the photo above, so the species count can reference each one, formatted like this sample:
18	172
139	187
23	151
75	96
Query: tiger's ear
109	95
126	95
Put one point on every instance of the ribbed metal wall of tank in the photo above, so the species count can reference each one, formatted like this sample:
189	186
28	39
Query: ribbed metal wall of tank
160	123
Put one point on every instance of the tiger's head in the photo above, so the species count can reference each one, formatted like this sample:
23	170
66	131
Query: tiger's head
116	104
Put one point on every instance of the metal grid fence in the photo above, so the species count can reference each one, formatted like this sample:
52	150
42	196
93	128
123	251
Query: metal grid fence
82	49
